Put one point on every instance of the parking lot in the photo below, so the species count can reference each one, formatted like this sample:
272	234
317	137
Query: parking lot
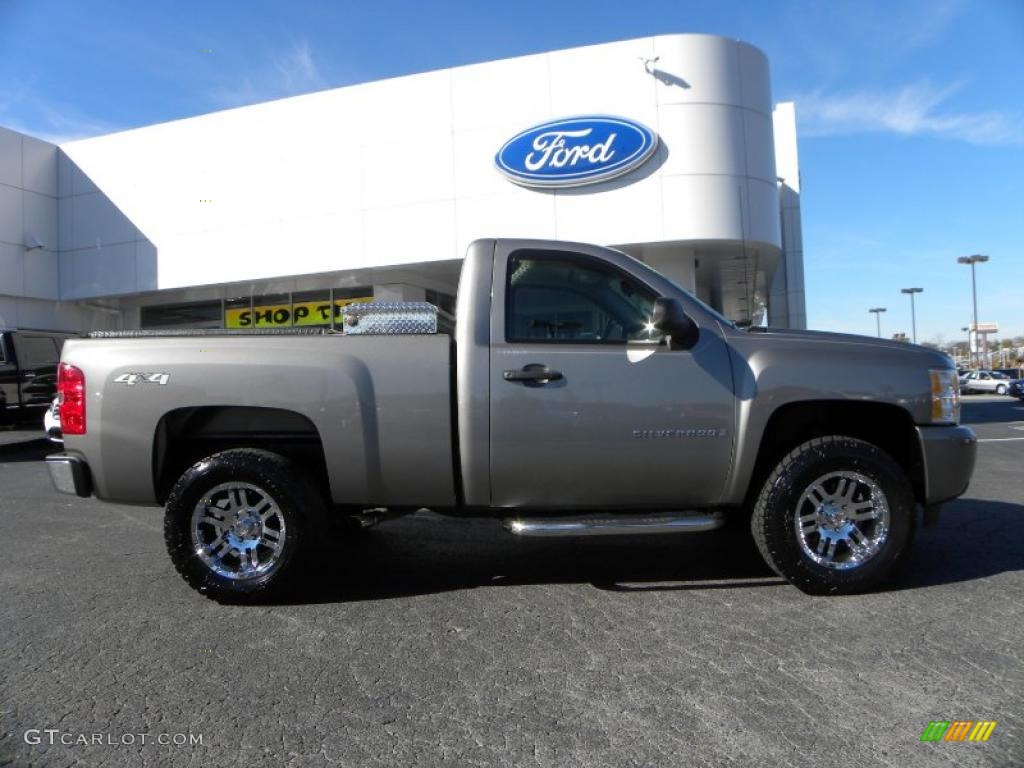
442	641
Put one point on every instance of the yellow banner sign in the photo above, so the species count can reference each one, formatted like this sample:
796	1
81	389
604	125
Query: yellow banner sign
288	315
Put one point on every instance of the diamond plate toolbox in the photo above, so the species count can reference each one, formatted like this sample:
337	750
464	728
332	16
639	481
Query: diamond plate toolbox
390	318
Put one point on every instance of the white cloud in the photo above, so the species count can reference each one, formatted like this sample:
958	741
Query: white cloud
912	109
298	70
22	110
293	72
920	26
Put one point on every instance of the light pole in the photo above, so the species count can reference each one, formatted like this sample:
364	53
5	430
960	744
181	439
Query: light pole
878	318
913	316
976	258
967	330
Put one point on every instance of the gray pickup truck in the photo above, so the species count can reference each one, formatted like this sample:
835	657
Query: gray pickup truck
581	393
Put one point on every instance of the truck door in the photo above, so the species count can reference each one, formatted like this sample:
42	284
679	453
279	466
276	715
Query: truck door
589	406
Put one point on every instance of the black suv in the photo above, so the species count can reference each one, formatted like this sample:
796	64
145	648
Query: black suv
28	372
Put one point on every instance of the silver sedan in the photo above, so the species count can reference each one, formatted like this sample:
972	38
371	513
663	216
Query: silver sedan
985	381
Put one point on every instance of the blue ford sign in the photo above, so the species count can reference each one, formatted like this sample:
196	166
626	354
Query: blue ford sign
576	151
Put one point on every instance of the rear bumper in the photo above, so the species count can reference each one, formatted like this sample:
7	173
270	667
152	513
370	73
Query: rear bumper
69	474
948	454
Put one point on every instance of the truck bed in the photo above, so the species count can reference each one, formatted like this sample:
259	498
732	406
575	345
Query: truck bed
180	332
381	407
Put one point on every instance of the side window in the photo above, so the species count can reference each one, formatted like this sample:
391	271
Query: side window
37	351
3	352
559	298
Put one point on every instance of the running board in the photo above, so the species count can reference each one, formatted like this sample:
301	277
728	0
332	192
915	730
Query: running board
613	525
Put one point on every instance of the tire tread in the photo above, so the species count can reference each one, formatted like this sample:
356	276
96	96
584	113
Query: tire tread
771	548
281	472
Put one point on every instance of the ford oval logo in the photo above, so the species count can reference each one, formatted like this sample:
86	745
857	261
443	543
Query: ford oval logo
576	151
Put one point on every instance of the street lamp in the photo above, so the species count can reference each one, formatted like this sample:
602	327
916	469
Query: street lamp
878	318
913	316
976	258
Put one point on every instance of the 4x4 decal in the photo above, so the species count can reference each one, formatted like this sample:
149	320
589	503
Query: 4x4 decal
142	378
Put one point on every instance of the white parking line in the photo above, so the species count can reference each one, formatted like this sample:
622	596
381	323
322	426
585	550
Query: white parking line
998	439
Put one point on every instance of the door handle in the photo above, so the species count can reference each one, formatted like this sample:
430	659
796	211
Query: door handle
535	373
25	376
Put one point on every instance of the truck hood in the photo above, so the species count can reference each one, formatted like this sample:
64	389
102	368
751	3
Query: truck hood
778	366
933	358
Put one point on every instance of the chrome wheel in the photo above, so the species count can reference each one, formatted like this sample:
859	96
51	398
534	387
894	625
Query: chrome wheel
842	520
238	531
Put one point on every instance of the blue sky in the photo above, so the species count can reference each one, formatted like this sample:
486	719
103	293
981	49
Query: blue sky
911	114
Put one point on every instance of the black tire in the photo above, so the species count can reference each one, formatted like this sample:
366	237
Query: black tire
276	543
789	528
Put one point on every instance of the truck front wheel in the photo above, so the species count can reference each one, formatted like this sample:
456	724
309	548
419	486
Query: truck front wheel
235	522
836	516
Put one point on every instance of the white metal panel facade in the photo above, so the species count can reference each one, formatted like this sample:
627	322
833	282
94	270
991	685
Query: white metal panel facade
401	172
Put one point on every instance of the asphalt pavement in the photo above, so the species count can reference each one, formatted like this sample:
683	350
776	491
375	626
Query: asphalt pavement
433	641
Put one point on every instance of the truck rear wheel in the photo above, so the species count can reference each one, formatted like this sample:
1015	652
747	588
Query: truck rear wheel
236	521
836	516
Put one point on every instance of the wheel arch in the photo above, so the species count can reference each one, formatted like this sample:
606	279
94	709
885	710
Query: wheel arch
885	425
185	435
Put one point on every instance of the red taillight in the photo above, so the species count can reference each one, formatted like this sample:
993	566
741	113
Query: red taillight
71	396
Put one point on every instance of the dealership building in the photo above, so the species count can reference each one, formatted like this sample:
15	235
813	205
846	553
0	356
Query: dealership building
272	214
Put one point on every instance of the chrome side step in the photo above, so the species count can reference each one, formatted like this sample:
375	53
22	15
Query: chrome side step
614	524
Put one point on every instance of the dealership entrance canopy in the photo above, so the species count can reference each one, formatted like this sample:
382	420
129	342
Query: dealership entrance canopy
279	213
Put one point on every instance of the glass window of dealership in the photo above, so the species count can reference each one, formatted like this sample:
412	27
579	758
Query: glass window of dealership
321	308
668	147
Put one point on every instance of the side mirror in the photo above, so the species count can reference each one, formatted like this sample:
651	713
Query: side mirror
670	318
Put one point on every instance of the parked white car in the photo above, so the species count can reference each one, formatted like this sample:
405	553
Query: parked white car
51	423
985	381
